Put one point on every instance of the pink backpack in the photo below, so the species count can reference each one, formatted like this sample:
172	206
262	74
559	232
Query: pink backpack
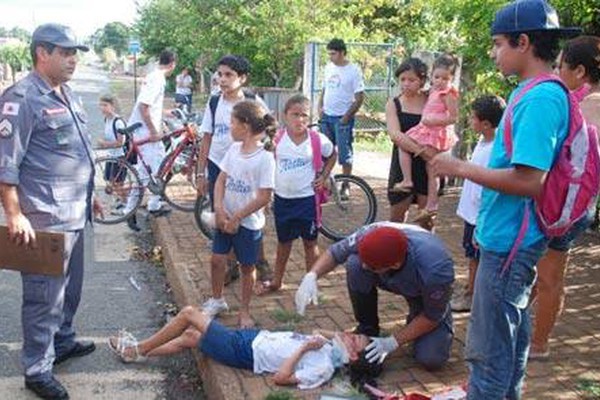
572	183
321	196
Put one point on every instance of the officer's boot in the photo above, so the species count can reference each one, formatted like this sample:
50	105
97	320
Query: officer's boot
364	306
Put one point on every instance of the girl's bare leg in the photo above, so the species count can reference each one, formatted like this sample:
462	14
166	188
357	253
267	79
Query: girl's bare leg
218	269
174	337
311	253
405	161
248	280
433	185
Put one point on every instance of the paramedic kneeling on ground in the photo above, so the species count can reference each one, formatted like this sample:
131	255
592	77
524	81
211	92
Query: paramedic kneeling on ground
401	259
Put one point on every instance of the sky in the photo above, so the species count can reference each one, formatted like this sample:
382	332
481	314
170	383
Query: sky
84	16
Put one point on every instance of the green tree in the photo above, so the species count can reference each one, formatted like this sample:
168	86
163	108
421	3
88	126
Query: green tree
114	35
20	33
272	34
17	56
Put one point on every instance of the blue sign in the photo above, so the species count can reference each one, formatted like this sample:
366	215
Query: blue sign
134	46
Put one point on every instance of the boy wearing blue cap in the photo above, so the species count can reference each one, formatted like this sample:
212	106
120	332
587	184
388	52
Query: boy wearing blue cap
525	36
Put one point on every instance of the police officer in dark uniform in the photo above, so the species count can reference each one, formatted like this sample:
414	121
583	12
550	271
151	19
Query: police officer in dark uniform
46	183
401	259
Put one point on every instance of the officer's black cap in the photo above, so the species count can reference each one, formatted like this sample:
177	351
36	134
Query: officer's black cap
58	35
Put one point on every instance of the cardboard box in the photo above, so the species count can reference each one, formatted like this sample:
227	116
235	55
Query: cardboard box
47	258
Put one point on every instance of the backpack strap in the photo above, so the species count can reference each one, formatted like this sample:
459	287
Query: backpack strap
507	134
114	126
213	103
248	94
315	144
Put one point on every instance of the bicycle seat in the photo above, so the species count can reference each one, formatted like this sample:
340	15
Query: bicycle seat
130	129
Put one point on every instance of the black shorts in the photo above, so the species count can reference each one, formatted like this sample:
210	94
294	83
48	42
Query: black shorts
114	172
471	252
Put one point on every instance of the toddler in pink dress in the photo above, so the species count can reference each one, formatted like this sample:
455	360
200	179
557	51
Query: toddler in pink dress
435	131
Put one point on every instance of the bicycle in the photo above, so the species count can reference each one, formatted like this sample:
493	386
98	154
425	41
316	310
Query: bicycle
116	179
351	205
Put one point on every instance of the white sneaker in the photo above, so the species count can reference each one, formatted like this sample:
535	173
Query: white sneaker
213	307
461	302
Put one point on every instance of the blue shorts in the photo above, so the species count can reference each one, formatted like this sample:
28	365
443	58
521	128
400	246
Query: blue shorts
232	347
213	174
295	218
471	251
566	241
245	243
340	135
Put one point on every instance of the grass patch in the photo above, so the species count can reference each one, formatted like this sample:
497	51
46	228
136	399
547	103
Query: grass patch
590	388
285	317
373	141
281	395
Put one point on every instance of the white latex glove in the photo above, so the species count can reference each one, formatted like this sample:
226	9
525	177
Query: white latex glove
307	292
380	347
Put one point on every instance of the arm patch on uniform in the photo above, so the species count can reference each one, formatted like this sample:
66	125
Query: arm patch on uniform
10	109
6	128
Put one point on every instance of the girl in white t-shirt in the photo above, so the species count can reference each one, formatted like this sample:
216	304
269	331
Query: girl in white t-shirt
298	176
305	361
242	190
114	142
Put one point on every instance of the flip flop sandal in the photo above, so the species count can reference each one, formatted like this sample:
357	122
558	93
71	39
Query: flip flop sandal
125	341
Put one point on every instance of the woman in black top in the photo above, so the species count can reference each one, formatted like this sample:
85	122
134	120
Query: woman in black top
402	113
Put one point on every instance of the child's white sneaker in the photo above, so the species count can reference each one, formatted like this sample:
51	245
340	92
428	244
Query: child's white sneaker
213	307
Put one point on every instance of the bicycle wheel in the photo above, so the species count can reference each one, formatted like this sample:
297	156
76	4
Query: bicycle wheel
180	180
114	182
202	217
352	204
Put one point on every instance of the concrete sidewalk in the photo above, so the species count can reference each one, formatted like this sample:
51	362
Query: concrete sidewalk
573	371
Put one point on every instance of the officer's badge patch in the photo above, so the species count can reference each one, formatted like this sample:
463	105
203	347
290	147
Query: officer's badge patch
10	109
6	128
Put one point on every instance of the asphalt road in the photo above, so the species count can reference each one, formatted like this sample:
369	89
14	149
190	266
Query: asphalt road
111	301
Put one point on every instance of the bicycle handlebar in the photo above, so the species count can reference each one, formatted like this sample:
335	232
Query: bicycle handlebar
130	129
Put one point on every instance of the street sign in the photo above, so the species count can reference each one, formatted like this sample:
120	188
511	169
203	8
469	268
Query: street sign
134	46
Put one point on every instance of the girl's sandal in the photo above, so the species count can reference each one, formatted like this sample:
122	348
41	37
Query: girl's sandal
125	345
265	287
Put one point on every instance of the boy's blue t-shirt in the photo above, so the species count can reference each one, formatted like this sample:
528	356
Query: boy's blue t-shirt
539	126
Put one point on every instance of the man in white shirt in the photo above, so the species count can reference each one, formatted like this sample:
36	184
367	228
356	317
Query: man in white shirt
183	89
342	96
148	111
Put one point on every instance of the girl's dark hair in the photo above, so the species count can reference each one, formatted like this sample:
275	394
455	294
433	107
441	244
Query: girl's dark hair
446	61
546	44
415	65
110	99
585	51
295	99
237	63
258	119
362	371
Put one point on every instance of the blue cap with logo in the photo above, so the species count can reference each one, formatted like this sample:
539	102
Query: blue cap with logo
58	35
527	16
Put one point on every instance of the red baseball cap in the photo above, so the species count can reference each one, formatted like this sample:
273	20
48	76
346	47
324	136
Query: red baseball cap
383	247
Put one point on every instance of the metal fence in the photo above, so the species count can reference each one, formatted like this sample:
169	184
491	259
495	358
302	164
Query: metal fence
376	61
